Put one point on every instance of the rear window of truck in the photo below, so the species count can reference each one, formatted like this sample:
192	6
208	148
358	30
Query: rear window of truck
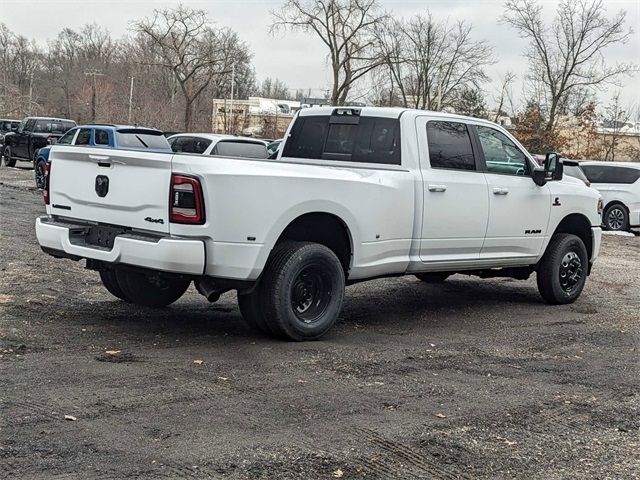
232	148
142	139
357	139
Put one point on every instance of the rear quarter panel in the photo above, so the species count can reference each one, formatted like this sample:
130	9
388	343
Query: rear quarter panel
258	199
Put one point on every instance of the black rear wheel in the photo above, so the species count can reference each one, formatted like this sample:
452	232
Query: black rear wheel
7	159
152	289
301	292
110	282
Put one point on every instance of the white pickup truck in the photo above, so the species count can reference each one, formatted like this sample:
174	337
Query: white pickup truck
354	194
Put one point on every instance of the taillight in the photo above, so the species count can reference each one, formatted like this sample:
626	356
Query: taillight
47	182
186	204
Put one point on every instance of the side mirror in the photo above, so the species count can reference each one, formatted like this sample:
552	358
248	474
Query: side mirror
539	176
553	167
53	141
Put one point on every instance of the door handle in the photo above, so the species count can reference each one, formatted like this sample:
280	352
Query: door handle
99	158
500	191
437	188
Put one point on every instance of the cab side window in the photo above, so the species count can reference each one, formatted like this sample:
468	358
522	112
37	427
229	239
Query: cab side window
500	153
101	137
450	146
84	136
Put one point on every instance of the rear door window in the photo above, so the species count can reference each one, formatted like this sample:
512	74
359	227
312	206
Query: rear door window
236	148
450	146
611	174
101	137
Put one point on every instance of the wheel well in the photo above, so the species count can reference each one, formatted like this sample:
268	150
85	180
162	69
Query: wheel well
325	229
580	226
615	202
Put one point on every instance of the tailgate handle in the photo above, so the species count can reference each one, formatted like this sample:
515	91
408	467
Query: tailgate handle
99	158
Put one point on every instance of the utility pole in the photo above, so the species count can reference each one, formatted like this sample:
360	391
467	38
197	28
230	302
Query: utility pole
130	99
233	79
94	74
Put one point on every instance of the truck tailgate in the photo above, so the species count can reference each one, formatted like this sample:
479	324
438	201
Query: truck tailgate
117	187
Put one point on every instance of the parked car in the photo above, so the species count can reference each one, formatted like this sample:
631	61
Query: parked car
221	145
619	185
572	168
7	126
102	136
273	147
32	134
354	194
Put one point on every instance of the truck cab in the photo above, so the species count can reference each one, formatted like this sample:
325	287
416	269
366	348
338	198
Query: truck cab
32	134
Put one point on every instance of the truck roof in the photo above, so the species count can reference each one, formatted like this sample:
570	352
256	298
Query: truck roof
389	112
55	119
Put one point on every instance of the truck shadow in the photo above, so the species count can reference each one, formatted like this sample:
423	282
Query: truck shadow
401	303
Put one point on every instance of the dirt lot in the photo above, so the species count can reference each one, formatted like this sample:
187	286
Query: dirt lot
472	379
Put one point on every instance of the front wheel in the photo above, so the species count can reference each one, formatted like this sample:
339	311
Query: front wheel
301	291
562	272
616	218
7	161
151	289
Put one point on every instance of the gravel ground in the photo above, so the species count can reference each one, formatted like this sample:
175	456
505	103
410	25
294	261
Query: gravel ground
470	379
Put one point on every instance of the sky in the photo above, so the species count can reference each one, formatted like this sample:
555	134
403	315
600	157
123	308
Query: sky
300	59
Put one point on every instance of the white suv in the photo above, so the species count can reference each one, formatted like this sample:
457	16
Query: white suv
619	185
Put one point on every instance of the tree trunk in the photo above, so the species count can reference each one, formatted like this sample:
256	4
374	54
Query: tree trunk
188	113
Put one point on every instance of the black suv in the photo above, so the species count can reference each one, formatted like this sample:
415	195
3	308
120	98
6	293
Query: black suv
32	134
6	126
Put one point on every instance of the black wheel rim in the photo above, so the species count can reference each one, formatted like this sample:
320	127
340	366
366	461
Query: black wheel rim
571	272
311	294
39	175
615	219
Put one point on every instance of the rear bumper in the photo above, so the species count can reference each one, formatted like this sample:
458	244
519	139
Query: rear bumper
634	216
167	254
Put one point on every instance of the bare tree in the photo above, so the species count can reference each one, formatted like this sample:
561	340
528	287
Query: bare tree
432	62
505	94
613	119
273	88
186	44
568	54
346	28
